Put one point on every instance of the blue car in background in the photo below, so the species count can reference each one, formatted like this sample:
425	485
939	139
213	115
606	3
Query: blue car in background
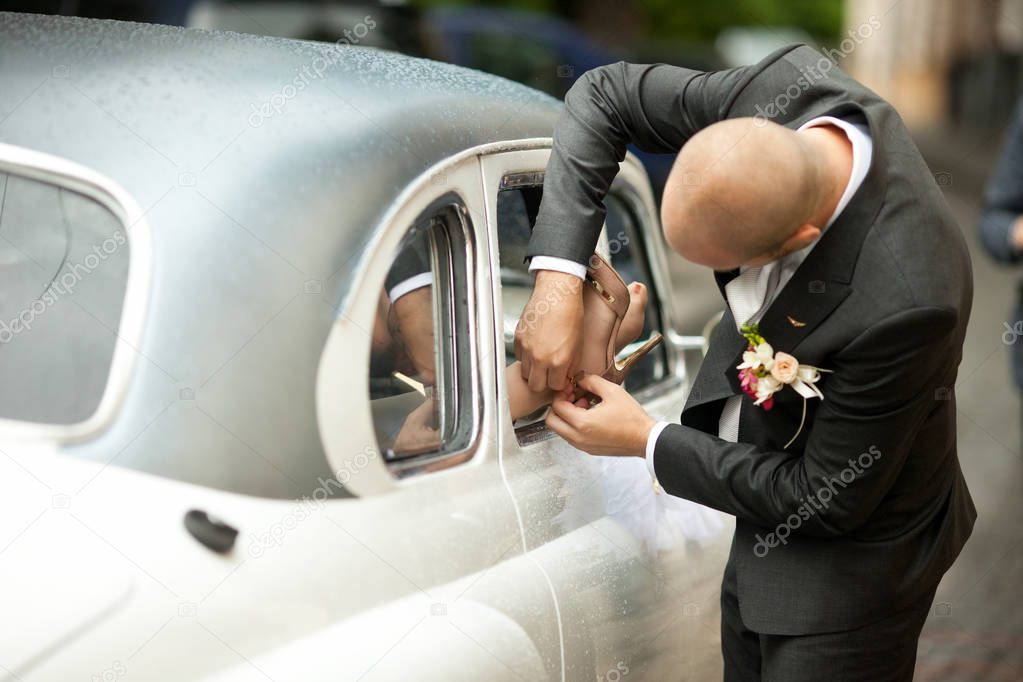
542	51
538	50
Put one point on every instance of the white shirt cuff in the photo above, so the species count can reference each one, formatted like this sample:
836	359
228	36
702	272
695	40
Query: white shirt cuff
423	279
569	267
651	445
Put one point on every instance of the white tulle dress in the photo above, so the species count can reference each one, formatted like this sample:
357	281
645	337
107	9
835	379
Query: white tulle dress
660	520
621	489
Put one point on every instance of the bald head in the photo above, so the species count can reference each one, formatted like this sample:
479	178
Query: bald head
739	192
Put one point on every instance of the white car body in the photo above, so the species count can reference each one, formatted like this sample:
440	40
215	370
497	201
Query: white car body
509	562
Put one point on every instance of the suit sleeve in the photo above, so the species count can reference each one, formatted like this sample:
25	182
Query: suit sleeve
883	387
656	107
1003	200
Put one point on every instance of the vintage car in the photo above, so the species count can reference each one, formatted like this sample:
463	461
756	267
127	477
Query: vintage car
198	463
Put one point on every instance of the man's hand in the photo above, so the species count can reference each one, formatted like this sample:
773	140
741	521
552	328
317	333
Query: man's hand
618	425
547	336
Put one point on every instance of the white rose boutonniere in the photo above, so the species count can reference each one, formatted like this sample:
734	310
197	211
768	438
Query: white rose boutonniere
763	372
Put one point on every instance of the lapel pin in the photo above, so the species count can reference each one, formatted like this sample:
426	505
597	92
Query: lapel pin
794	322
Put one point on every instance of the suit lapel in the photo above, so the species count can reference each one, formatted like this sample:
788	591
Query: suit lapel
722	278
801	306
822	280
711	382
819	285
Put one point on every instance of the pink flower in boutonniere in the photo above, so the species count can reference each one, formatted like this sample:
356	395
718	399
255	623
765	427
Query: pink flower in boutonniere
750	383
785	367
763	372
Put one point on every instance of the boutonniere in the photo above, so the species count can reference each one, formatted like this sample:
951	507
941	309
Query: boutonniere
763	372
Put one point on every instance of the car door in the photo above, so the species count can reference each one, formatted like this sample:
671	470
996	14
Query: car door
630	599
402	561
438	512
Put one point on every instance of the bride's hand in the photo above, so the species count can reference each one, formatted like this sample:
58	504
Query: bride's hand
618	425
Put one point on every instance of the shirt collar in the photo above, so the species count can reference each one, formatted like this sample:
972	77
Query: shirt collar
862	151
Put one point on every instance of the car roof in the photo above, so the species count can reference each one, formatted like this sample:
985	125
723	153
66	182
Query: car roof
263	165
165	101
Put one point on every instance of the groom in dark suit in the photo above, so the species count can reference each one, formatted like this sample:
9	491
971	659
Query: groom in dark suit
834	249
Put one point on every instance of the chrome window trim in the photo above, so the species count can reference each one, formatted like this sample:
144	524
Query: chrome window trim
522	179
353	452
461	348
69	175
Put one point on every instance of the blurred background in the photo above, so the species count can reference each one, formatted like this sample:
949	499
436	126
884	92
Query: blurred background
954	70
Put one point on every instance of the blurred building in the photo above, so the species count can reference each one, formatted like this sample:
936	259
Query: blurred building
940	62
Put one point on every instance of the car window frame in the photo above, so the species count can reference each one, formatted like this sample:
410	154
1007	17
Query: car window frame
68	175
459	313
349	441
524	164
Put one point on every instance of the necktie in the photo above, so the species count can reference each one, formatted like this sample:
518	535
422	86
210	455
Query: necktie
748	295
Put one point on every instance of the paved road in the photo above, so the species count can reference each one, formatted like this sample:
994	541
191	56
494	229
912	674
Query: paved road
975	630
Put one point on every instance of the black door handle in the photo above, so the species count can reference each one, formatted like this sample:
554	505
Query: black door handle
211	532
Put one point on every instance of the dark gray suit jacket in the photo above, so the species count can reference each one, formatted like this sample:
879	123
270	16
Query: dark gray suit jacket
865	511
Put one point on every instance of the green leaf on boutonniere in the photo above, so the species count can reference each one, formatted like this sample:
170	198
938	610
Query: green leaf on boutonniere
751	332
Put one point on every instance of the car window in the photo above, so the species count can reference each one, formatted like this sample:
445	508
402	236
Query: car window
63	276
626	243
623	242
421	379
516	213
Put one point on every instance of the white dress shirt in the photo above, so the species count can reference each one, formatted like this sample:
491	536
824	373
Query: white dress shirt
752	292
558	265
423	279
